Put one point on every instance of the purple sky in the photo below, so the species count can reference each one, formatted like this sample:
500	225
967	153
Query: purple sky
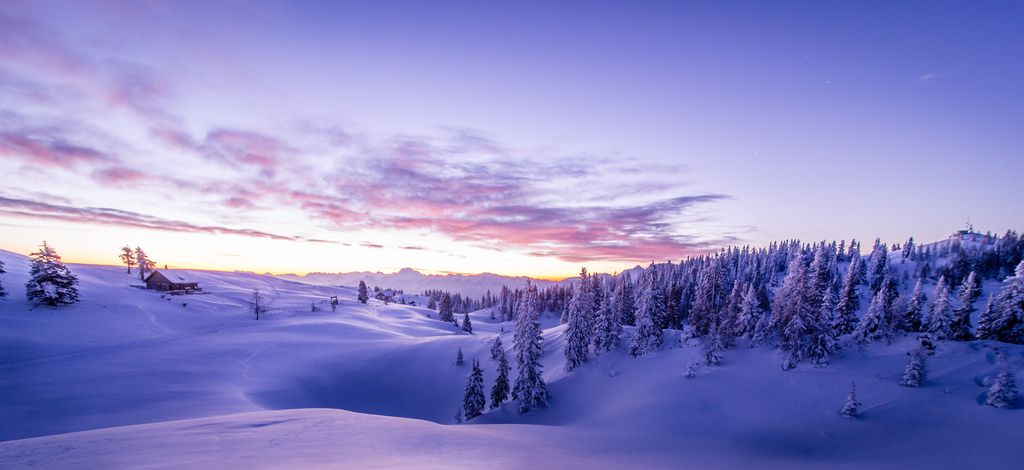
524	138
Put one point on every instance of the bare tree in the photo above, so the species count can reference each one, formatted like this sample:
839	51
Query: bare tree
258	304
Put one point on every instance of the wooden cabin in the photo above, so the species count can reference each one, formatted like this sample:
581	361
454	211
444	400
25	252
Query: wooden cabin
172	281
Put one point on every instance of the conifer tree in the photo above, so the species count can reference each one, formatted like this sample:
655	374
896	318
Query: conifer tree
577	336
913	313
914	374
530	389
459	359
940	313
363	296
500	390
145	264
127	257
708	296
872	326
474	400
795	313
648	336
467	325
497	348
3	293
446	312
750	312
988	319
606	329
1003	391
960	327
50	281
691	370
624	303
851	408
1006	322
713	346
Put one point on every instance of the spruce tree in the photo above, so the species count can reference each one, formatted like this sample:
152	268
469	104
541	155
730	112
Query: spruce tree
497	349
960	327
446	311
467	325
914	373
625	304
988	319
363	296
713	346
851	408
648	336
50	281
459	359
3	293
750	312
474	400
1003	391
1007	322
577	335
913	313
500	390
872	326
940	314
530	389
691	370
145	264
606	329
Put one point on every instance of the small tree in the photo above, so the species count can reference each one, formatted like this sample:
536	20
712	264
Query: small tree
363	296
257	304
940	315
1003	391
459	359
713	346
145	264
497	349
500	390
467	326
127	257
960	327
2	292
473	401
914	374
851	408
691	370
51	282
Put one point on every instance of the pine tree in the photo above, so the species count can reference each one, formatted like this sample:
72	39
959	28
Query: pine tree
1003	392
940	313
606	329
912	314
713	346
988	319
459	359
577	336
474	400
497	349
3	293
446	312
51	282
648	336
796	313
530	389
969	292
750	312
849	301
914	373
363	296
145	264
467	325
1007	319
872	327
624	304
127	257
499	392
851	408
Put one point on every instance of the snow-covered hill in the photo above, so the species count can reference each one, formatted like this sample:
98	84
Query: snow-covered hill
412	281
129	379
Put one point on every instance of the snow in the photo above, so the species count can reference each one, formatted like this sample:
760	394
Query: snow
414	282
129	379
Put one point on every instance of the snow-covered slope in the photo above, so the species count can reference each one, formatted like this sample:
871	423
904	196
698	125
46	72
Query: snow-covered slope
127	379
414	282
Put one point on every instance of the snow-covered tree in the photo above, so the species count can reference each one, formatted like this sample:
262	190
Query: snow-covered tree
127	257
880	320
474	400
648	336
446	311
497	349
145	264
851	408
459	358
530	389
606	328
988	319
750	312
708	298
1007	319
363	296
914	373
691	370
50	281
3	293
467	325
500	390
258	304
1003	391
624	304
940	312
713	346
913	312
960	328
577	335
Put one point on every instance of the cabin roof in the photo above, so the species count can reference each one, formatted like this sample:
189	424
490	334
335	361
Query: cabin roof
173	275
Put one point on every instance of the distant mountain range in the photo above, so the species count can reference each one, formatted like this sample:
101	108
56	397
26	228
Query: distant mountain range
412	281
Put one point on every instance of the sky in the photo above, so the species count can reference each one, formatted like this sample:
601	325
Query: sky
520	138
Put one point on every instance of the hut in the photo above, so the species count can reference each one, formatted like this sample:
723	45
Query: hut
171	281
